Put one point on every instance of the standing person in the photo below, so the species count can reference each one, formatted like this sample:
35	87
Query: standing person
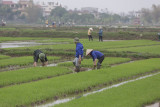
100	34
38	54
95	55
90	34
79	54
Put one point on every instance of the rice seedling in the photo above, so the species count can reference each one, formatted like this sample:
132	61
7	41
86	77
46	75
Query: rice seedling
4	57
31	74
34	92
106	63
21	61
135	94
140	50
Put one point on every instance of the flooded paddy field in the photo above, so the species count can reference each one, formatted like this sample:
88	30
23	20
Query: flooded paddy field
129	71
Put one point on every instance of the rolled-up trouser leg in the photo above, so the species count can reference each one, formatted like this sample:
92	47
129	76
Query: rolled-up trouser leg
99	62
98	65
76	64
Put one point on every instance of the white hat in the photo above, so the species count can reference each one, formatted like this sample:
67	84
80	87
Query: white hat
90	28
88	51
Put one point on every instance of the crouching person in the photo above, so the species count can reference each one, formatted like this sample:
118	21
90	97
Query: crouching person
38	54
95	55
79	54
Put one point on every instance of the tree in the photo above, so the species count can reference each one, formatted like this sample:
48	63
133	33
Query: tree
33	14
58	12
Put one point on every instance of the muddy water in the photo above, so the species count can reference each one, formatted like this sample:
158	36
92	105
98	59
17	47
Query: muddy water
17	44
23	44
90	93
111	40
154	105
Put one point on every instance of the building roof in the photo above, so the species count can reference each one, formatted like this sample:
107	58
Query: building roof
7	2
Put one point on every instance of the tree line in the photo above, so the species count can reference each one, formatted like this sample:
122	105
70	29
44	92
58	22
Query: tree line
60	14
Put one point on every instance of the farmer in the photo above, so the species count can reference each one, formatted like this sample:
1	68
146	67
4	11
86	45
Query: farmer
38	54
90	34
79	54
95	55
100	34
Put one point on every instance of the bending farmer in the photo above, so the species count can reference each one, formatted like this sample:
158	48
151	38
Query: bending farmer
95	55
38	54
79	54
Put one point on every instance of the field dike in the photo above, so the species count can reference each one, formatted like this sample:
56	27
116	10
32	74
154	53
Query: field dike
99	90
31	94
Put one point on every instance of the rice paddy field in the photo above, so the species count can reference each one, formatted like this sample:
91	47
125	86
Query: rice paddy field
129	75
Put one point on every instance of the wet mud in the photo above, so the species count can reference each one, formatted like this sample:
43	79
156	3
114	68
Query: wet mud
154	105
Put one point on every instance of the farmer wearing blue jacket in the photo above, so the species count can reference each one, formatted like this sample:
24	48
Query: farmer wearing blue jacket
100	34
96	55
79	54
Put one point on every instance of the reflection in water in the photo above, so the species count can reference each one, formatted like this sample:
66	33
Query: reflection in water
23	44
18	44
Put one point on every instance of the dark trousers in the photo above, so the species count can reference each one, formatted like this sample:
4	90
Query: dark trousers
100	38
100	60
90	37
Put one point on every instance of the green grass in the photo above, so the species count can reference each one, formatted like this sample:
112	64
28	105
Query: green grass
30	74
140	50
3	39
28	93
4	57
70	48
106	63
135	94
22	61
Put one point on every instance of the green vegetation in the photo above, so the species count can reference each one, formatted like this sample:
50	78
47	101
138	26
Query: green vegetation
4	57
106	63
140	50
3	39
135	94
22	61
69	49
81	32
30	74
27	94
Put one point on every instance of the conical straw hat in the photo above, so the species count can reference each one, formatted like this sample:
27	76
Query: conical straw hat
88	51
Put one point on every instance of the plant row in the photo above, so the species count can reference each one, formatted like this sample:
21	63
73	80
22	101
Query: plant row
108	61
44	90
30	74
58	49
22	61
38	73
135	94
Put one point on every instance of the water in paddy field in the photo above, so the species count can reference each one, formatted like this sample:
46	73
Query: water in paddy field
18	44
154	105
23	44
100	90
